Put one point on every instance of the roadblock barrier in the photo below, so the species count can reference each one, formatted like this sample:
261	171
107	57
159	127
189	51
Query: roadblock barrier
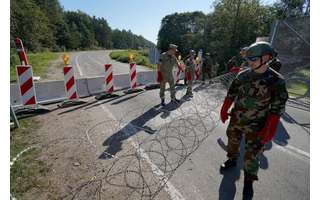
133	75
54	91
70	84
21	52
26	86
197	72
109	78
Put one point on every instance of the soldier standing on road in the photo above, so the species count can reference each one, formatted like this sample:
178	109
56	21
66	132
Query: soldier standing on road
215	66
207	67
259	95
166	63
190	71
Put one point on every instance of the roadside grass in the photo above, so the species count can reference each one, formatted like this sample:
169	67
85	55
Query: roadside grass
38	61
140	57
297	87
26	172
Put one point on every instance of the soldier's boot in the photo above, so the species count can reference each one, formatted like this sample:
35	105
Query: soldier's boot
230	163
175	100
247	193
162	102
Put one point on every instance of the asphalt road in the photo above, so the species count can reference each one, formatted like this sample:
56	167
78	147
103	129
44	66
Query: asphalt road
91	64
285	165
184	143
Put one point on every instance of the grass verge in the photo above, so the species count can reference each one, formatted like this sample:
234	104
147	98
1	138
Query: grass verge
38	61
26	172
298	87
140	57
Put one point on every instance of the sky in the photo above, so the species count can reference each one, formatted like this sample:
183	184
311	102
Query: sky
142	17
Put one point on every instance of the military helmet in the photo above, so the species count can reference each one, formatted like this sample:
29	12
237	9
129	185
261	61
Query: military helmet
259	49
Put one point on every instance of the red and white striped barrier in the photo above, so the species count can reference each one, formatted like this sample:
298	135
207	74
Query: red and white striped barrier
109	78
180	69
21	52
26	86
197	72
70	83
133	75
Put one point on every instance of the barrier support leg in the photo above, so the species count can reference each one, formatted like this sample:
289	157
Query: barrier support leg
30	110
105	95
69	103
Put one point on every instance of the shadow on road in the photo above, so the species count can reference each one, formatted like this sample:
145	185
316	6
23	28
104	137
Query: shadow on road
227	189
114	142
291	120
281	137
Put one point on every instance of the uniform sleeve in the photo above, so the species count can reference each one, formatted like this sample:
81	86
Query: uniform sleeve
279	98
161	59
234	89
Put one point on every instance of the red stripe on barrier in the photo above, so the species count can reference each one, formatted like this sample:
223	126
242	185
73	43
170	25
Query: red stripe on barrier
107	66
73	96
110	90
66	70
134	85
131	65
31	101
70	83
109	78
21	69
133	75
26	86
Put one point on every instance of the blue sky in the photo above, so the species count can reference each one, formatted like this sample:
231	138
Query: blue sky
142	17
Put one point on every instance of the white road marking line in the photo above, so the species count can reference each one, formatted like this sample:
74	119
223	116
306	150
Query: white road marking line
169	187
293	150
78	66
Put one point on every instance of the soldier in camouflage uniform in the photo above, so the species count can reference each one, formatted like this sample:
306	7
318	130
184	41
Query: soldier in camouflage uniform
259	95
207	67
166	63
190	71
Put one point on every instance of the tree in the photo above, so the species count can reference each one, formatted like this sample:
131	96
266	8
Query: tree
28	22
183	29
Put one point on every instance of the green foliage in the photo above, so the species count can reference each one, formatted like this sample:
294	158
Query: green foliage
140	57
231	25
183	29
44	25
25	172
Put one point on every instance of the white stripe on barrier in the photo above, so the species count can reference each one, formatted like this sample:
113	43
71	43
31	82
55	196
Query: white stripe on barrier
29	90
133	80
73	89
69	75
28	95
26	75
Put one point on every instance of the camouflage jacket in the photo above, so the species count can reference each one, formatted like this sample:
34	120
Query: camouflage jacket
167	63
257	95
190	64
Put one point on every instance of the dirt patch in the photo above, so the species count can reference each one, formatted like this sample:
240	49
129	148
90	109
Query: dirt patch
72	145
55	70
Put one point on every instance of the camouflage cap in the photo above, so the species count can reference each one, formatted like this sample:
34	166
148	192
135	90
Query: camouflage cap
173	46
259	49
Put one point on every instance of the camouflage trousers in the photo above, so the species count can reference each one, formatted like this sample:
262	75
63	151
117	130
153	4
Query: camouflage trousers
190	78
253	148
206	72
163	87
